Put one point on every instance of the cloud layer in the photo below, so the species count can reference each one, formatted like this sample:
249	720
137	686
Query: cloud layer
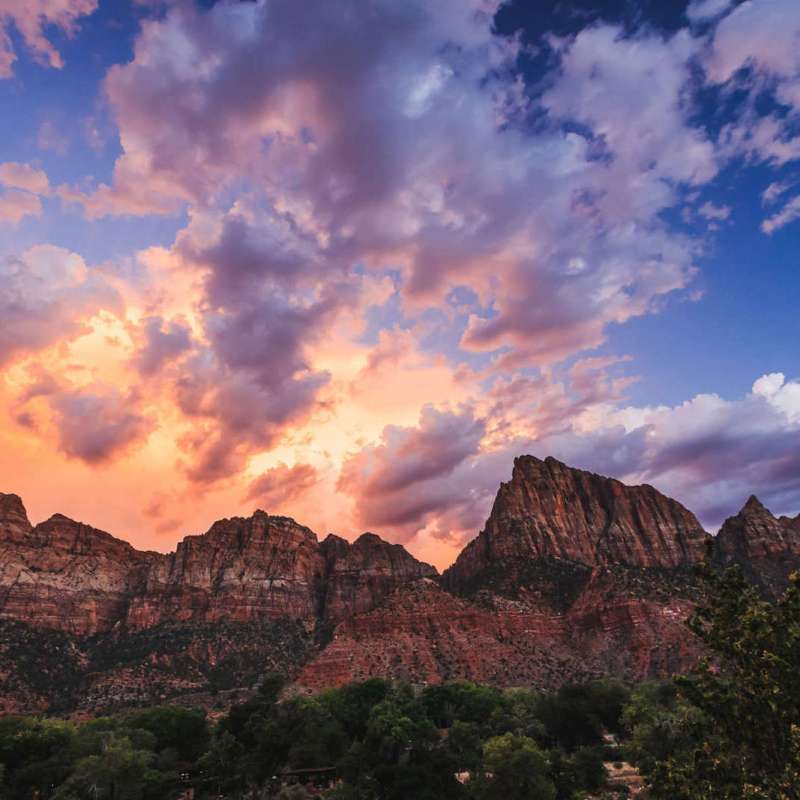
401	239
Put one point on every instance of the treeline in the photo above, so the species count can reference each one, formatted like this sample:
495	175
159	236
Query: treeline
729	731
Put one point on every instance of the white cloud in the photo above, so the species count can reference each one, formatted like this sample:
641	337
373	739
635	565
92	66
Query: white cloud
789	213
702	10
710	211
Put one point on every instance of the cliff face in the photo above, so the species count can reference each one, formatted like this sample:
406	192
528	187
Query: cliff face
360	575
67	576
766	548
88	622
261	567
549	511
63	574
423	634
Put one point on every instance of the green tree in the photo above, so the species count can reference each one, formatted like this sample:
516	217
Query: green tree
35	754
120	772
183	730
514	767
745	735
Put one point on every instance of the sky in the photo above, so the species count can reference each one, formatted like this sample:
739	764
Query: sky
344	261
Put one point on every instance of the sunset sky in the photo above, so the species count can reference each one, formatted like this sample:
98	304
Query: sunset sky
344	260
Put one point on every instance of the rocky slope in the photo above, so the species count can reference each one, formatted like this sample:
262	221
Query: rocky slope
766	548
574	575
65	575
549	513
88	622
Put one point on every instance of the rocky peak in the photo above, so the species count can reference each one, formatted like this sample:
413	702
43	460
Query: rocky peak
753	506
360	575
66	575
551	511
765	547
14	523
242	568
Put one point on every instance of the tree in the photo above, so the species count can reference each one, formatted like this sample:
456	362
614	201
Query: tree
514	767
183	730
120	772
744	734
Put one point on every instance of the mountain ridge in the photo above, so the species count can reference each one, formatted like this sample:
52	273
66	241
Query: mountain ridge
574	575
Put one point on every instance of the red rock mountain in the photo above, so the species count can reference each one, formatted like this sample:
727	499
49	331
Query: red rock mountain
68	576
549	511
766	548
574	575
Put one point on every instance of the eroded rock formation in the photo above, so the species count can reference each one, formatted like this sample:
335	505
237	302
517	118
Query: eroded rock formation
766	548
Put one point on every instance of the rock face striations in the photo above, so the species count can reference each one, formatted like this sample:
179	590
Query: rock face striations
766	548
124	626
574	576
63	574
360	575
550	513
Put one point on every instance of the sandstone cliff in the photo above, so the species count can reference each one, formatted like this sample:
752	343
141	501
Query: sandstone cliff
766	548
423	634
550	513
63	574
360	575
261	567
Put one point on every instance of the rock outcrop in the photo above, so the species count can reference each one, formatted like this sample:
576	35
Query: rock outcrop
89	622
551	513
260	567
360	575
766	548
65	575
423	634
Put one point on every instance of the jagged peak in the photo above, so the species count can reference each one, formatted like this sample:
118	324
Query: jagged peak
12	512
753	504
371	539
334	538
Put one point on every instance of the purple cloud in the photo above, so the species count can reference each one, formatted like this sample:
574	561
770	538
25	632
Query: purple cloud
96	424
162	342
45	297
278	485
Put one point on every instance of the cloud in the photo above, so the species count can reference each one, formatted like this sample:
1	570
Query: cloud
407	478
31	20
398	140
22	186
161	342
16	205
234	413
708	452
754	51
704	10
23	176
278	485
774	191
713	212
46	296
789	213
96	424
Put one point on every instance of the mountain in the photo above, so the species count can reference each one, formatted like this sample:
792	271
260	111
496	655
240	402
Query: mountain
88	621
549	513
766	548
574	575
